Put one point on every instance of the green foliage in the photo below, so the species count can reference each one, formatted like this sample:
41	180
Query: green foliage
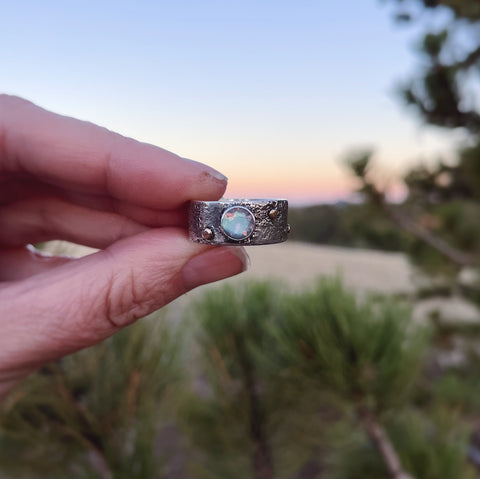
363	351
351	225
455	221
95	414
467	174
232	333
359	460
458	391
238	320
446	81
434	42
244	420
429	260
318	224
430	447
314	358
360	163
458	223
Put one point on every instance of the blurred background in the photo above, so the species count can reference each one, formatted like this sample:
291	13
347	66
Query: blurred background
352	350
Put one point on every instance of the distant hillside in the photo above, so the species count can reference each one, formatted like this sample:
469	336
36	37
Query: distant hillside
345	224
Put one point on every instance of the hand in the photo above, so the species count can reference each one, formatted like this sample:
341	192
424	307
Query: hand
61	178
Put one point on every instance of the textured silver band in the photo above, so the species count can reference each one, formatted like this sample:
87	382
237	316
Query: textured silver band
239	222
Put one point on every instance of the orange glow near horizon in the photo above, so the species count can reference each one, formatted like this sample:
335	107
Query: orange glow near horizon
297	188
325	184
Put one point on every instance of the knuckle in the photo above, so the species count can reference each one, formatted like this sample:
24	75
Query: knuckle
126	299
11	100
9	103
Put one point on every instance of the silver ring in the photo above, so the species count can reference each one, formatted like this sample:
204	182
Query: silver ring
238	222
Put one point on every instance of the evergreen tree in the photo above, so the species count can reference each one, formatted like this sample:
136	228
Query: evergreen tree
362	353
334	388
95	414
443	91
443	202
442	207
241	419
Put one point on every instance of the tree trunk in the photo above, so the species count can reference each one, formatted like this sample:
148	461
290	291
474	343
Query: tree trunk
455	256
378	436
261	457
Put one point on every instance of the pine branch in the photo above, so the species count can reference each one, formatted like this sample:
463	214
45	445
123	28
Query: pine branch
378	436
407	224
471	59
96	456
360	167
83	436
455	118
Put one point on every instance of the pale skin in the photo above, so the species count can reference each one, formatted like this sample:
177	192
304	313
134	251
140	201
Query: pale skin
62	178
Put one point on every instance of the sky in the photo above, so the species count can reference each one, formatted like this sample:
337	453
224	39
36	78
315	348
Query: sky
271	93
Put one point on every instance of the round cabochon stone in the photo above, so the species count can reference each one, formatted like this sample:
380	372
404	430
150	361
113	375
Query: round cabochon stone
238	222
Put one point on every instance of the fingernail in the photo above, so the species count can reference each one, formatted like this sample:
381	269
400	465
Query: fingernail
206	169
214	265
217	175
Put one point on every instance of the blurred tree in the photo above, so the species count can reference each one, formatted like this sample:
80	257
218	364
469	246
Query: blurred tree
442	205
352	225
428	225
432	446
240	414
362	352
313	384
96	414
444	90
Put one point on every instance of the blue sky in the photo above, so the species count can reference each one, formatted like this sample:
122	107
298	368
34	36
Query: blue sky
272	93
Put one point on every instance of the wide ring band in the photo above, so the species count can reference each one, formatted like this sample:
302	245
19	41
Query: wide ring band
239	222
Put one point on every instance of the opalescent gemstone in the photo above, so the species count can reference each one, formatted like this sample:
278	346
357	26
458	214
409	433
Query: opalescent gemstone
238	222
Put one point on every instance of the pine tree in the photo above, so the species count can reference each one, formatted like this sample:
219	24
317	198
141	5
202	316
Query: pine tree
443	89
95	414
238	420
330	378
362	353
442	205
441	210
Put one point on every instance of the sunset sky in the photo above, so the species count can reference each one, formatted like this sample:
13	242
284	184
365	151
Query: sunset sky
271	93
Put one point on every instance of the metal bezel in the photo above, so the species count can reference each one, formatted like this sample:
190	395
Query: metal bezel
242	208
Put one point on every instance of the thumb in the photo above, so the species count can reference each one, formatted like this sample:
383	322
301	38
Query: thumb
84	301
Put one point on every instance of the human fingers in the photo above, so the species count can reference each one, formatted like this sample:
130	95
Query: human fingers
13	190
43	219
24	261
83	302
83	157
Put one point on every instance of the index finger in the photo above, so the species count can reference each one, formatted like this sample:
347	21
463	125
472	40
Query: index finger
80	156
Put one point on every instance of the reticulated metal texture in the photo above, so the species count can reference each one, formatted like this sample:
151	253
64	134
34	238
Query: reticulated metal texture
270	226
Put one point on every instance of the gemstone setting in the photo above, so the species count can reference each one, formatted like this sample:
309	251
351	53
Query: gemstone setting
237	223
